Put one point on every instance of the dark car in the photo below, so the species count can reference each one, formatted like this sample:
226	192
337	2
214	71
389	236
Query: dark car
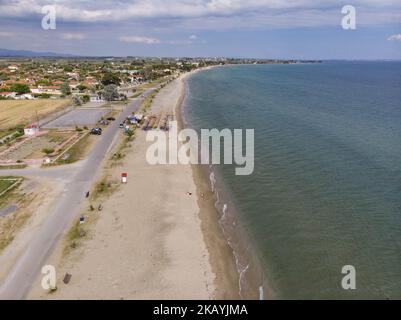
111	118
96	131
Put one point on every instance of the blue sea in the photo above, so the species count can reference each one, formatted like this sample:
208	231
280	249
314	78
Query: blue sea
326	190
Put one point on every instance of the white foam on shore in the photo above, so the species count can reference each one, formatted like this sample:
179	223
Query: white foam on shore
212	180
223	218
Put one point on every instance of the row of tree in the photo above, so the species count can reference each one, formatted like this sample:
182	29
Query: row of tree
109	92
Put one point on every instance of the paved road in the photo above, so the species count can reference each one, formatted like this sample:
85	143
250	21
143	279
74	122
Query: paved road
18	282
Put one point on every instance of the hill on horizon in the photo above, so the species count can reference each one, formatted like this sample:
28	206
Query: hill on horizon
28	53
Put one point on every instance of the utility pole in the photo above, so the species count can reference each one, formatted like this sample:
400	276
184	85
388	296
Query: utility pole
37	118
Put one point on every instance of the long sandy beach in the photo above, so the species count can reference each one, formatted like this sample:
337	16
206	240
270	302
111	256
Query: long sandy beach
157	237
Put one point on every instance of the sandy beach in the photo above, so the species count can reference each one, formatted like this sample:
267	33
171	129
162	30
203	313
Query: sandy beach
157	236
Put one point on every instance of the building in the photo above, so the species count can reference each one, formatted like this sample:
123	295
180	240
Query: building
8	94
25	96
90	82
13	68
31	130
96	98
46	89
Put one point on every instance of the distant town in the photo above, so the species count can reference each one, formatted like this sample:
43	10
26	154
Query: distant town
84	79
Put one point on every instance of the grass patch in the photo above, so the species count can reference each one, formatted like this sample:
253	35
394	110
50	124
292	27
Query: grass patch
75	232
4	133
74	237
147	102
152	84
112	114
16	166
5	183
77	151
104	188
79	232
137	93
11	136
59	136
119	155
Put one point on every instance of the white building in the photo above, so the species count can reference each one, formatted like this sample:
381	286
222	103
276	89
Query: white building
25	96
13	68
8	94
31	130
96	98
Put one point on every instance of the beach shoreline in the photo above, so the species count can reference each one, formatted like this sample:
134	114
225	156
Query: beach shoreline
220	210
221	255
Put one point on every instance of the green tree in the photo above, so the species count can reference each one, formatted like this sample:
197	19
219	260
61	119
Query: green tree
65	89
77	100
110	92
110	78
20	88
68	68
5	89
3	76
85	98
82	88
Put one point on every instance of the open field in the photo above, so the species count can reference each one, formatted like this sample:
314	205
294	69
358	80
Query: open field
21	112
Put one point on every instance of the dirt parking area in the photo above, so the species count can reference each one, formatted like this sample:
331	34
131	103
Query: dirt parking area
78	117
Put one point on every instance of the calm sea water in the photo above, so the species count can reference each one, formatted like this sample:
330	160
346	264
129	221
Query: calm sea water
326	190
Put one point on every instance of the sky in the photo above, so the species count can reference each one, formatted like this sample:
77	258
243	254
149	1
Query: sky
271	29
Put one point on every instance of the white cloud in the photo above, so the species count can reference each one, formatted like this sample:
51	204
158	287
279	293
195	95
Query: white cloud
148	40
108	10
135	39
73	36
395	37
193	37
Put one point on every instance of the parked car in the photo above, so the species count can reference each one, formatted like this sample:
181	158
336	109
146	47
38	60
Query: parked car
111	118
96	131
104	122
121	125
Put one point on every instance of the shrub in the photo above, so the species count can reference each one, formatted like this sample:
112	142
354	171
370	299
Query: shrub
48	150
77	101
85	98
